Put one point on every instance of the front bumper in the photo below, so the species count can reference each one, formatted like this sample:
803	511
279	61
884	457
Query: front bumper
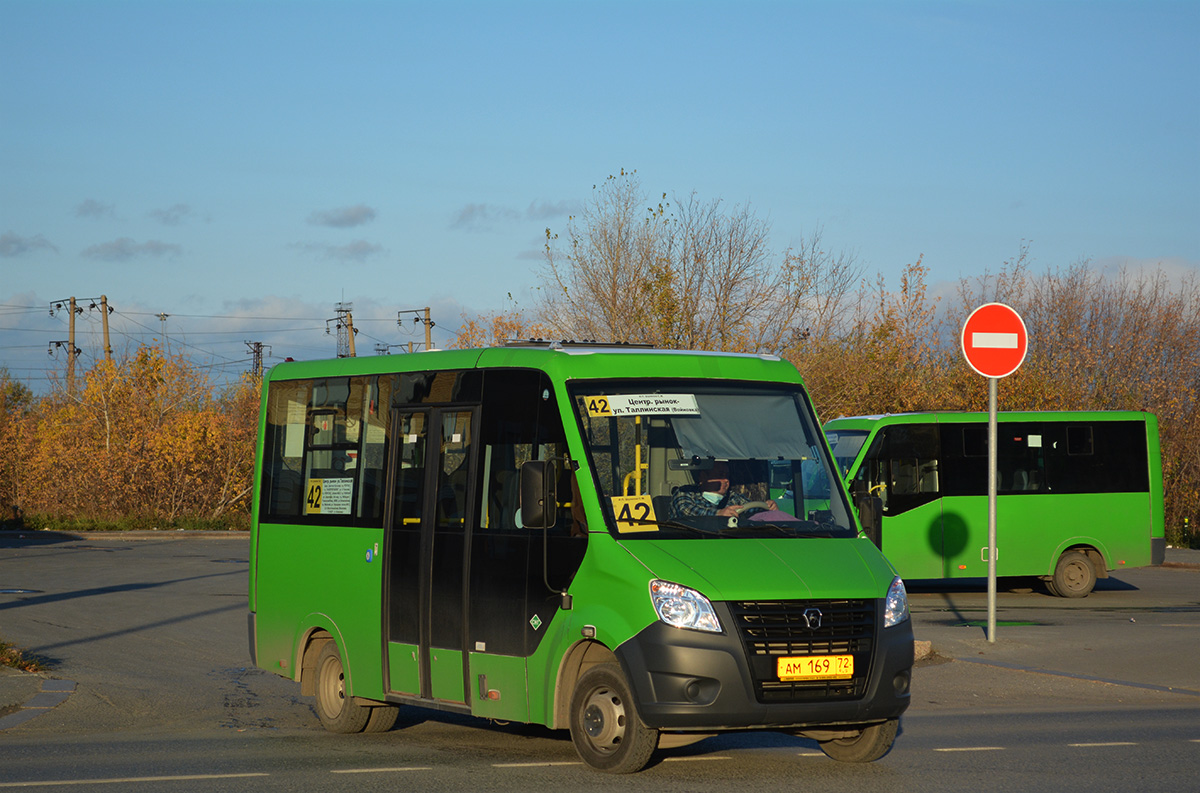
694	681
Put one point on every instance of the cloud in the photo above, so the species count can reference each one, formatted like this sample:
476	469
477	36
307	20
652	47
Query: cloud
173	215
551	209
343	218
125	249
91	208
481	217
13	244
1175	269
357	251
484	217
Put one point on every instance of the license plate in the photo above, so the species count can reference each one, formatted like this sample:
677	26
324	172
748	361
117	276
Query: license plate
816	667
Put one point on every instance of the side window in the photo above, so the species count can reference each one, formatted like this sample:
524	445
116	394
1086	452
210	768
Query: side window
1101	457
331	459
283	449
520	423
901	467
325	448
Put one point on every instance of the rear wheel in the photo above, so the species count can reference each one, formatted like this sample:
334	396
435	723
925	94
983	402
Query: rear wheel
1074	576
382	718
335	707
869	745
605	726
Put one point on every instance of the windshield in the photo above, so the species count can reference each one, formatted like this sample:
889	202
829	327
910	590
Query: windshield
846	445
683	459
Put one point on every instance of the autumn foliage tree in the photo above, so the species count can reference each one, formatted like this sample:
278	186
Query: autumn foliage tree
689	275
696	276
146	440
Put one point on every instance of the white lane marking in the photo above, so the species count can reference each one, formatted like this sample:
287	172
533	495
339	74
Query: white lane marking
128	779
1112	743
972	749
533	765
382	770
694	759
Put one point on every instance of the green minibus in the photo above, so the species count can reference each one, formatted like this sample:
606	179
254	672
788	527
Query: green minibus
1078	493
610	540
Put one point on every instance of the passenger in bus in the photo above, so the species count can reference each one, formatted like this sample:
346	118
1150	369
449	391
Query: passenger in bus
710	496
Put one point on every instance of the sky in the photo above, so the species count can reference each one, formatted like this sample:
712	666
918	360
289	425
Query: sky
229	172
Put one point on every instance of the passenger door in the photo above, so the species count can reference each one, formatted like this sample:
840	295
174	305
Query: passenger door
430	466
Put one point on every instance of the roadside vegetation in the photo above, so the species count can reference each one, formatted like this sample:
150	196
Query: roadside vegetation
16	658
148	442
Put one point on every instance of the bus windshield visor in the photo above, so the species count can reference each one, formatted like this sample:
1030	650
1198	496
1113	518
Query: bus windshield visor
685	460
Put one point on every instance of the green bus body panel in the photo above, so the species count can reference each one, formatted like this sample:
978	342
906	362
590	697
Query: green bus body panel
947	537
446	674
315	583
913	541
770	569
504	675
305	577
403	675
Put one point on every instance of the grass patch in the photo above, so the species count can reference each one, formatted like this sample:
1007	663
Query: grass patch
15	657
58	523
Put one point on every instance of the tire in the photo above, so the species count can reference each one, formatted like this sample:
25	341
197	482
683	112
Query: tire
868	746
382	718
1074	576
605	726
336	708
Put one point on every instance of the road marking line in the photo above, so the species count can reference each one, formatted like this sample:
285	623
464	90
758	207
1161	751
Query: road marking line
381	770
972	749
694	759
1112	743
811	754
533	765
128	779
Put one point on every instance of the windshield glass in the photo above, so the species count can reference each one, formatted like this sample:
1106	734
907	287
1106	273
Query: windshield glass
684	459
846	445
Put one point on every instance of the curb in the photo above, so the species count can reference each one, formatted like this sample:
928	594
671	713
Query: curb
53	694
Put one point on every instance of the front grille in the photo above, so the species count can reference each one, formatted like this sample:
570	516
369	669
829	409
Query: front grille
772	629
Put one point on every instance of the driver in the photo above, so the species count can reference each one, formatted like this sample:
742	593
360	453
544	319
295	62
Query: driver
711	496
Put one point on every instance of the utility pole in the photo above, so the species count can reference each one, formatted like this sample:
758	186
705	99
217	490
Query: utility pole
162	318
105	310
256	362
72	350
345	329
429	323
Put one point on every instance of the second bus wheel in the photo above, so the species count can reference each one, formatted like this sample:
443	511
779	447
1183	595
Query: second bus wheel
868	746
605	726
335	706
1074	576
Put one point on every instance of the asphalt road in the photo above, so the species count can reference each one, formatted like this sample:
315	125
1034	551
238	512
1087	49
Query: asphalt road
149	682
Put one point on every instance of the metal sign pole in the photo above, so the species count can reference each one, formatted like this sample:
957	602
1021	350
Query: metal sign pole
991	485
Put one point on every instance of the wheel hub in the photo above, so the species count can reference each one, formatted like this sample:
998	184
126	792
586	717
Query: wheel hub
604	719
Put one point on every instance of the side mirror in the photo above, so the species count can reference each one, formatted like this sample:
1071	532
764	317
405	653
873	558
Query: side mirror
539	499
870	515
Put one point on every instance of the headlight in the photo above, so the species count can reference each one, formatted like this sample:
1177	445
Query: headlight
681	607
896	609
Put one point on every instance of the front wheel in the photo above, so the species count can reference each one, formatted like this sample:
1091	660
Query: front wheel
1074	576
605	726
869	745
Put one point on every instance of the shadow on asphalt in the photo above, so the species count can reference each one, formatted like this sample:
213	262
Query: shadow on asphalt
17	537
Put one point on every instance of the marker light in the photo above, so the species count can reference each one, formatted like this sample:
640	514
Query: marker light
895	611
681	607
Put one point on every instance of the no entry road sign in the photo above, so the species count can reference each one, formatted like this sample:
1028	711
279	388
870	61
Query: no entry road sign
994	340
